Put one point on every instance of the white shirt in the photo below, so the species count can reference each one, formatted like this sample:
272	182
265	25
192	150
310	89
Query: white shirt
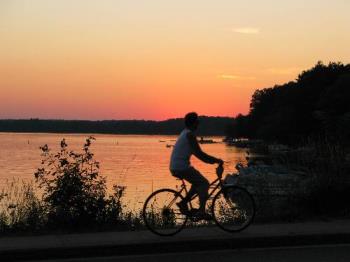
182	151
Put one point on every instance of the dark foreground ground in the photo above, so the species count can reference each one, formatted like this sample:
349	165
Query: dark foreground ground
321	253
270	242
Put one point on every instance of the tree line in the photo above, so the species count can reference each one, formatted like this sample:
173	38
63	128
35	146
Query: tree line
210	126
316	104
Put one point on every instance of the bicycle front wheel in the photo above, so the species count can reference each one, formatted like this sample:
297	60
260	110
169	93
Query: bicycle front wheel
233	208
161	214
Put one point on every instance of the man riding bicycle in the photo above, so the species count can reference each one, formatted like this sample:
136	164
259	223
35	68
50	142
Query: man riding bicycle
180	167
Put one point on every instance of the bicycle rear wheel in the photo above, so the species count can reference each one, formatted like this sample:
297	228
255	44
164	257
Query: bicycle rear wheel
233	208
161	214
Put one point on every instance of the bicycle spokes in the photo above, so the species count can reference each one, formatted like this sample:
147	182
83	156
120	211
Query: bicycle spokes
161	214
233	209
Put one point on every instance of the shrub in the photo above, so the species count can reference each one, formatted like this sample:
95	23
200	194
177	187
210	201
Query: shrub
73	190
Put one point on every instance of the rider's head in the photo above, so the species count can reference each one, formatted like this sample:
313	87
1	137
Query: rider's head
191	120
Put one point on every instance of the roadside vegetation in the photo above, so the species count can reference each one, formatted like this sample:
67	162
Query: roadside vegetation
299	184
69	195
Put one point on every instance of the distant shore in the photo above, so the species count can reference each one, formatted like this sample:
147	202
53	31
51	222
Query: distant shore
210	126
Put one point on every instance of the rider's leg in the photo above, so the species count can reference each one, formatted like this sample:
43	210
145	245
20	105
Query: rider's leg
199	184
190	194
184	174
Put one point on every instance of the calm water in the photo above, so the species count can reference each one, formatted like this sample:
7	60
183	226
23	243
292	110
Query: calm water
138	162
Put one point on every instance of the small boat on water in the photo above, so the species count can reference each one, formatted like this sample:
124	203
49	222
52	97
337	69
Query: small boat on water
242	143
161	141
206	141
169	146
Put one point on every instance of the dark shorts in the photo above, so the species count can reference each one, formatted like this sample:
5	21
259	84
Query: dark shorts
193	176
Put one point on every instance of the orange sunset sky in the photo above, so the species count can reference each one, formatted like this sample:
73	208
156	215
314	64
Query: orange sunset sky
158	59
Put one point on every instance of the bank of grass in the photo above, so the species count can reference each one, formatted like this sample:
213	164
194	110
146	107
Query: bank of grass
23	212
329	168
20	209
316	187
329	165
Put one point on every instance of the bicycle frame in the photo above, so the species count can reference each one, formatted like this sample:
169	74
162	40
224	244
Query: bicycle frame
238	217
214	185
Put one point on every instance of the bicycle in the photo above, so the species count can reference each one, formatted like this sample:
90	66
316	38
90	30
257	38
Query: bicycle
232	208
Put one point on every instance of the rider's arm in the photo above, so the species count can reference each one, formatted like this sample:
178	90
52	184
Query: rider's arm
197	151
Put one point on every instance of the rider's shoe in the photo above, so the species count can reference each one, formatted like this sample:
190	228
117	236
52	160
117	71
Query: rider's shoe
183	207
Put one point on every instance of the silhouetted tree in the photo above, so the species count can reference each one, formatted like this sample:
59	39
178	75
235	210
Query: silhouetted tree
316	104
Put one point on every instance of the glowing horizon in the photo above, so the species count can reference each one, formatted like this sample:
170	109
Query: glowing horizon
158	59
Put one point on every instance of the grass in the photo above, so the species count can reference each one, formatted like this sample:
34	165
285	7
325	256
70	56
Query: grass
23	212
318	183
20	208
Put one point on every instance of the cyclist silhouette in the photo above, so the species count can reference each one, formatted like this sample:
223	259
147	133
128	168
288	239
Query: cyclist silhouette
187	145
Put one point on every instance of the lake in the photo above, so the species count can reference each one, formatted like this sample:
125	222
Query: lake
139	162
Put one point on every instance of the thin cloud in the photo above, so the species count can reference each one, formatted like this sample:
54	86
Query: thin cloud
247	30
284	71
229	77
235	77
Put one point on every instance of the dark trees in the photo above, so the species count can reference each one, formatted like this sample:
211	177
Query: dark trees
316	104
